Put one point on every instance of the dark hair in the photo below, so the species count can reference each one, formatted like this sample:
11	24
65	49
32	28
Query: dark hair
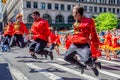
79	9
36	13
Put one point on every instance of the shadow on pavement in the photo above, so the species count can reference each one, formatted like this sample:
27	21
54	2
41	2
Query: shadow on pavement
108	68
4	72
65	78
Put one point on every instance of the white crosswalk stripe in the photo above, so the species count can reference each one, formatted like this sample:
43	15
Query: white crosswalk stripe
17	74
111	62
44	72
73	71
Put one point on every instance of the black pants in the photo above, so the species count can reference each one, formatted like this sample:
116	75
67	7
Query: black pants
38	46
17	38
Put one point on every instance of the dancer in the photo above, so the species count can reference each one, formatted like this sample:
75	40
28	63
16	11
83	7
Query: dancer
20	29
40	30
85	35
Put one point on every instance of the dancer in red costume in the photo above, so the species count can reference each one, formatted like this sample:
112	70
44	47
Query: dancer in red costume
54	41
85	35
20	29
41	31
8	32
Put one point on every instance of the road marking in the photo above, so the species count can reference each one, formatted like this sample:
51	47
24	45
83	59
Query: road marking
44	72
102	71
111	62
18	75
109	74
73	71
111	58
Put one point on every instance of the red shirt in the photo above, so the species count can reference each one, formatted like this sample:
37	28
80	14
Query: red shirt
52	38
8	30
20	28
40	29
85	32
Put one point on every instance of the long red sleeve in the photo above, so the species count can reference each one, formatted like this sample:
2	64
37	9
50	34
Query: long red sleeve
40	29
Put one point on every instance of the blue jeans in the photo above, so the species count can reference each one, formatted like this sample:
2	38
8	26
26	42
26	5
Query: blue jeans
83	50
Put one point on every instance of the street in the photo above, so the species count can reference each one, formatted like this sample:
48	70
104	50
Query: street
19	65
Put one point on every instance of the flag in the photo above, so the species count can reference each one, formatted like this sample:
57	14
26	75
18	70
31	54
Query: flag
4	1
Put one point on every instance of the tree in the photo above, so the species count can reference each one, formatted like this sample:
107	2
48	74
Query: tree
105	21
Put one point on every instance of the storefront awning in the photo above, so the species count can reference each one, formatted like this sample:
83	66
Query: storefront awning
61	25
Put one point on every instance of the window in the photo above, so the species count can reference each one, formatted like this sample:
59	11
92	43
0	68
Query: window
59	19
28	4
100	9
62	7
56	6
70	19
47	17
90	9
85	8
118	10
68	7
118	2
42	5
113	10
109	9
35	4
105	10
49	6
29	18
95	9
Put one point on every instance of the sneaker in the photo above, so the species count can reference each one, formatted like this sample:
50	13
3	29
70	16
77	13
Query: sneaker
34	56
51	55
95	71
81	67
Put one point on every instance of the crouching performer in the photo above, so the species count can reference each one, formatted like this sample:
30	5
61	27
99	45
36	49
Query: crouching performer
85	35
40	33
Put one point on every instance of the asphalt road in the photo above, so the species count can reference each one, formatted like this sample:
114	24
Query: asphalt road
19	65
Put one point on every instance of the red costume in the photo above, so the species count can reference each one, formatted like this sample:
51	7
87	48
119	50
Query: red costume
108	41
8	30
82	33
40	29
20	28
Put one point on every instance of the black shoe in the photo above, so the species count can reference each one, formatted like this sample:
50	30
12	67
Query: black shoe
81	67
45	56
95	71
51	55
34	56
98	64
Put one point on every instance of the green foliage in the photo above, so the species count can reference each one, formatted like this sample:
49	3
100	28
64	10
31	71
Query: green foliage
105	21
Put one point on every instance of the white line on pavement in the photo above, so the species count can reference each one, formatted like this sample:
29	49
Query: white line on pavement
109	74
44	72
111	62
73	71
18	75
102	71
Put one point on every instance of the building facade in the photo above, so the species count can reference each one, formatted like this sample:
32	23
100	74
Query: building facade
57	12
